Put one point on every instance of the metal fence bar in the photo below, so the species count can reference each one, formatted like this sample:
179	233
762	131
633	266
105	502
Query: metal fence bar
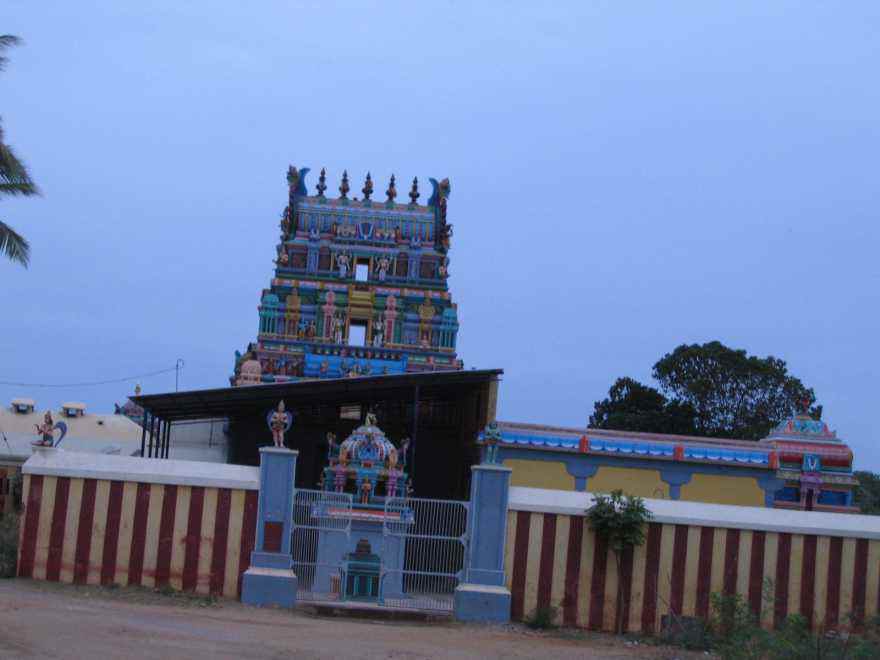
433	535
321	521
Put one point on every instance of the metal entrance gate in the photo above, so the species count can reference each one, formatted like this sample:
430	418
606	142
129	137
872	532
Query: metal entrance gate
321	536
419	546
425	553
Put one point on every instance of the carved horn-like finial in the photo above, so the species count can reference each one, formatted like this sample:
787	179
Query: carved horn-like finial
414	193
322	182
344	187
292	176
368	188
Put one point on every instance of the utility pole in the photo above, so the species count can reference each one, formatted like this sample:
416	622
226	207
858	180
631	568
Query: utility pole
177	367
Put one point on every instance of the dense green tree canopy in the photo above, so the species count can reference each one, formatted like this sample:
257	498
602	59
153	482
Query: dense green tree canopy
710	390
631	406
868	493
14	180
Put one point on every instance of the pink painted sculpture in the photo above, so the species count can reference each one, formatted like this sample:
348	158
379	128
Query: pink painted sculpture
279	422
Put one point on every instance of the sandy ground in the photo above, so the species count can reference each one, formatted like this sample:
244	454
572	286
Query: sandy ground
59	621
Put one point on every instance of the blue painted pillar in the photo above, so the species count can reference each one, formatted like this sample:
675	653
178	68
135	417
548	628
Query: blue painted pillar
484	596
270	580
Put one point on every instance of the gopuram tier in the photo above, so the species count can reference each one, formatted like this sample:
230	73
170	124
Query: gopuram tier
360	287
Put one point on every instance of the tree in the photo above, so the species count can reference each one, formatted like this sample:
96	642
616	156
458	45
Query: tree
14	180
733	394
868	493
709	390
620	521
632	406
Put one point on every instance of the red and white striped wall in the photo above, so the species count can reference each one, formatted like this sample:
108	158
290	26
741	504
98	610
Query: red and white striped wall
831	577
133	529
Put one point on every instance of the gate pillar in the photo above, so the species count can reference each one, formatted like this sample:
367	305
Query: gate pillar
484	597
270	580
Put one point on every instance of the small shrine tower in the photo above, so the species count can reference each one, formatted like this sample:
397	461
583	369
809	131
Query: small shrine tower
814	464
360	287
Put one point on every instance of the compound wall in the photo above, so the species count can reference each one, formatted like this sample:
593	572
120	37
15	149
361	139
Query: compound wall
132	521
823	566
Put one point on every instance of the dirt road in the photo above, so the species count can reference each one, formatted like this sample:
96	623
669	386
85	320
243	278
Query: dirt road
59	621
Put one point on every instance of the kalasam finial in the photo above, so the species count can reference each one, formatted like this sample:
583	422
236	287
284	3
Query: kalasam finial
368	188
322	182
391	192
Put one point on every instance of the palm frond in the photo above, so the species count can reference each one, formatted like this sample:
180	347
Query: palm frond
14	177
7	41
14	245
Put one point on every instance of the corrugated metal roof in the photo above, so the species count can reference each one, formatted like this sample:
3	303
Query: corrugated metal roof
228	401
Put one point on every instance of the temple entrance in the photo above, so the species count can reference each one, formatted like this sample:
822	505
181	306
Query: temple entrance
410	554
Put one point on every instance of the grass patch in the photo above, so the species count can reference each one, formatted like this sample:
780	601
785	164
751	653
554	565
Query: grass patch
543	618
8	544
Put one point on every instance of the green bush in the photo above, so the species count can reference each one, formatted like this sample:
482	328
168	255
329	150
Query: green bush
8	544
735	634
543	618
620	520
688	632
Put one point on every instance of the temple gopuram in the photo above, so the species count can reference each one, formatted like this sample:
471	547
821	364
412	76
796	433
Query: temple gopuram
358	320
360	287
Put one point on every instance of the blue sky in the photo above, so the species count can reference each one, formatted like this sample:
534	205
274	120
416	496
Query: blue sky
625	177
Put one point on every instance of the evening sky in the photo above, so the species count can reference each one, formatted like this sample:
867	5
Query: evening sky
625	177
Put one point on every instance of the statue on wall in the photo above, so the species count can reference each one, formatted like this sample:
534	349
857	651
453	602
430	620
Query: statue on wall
443	268
280	422
343	264
445	235
46	431
491	438
338	327
378	331
383	265
366	489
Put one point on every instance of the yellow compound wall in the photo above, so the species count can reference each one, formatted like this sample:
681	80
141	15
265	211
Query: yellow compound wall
717	489
539	474
633	481
723	490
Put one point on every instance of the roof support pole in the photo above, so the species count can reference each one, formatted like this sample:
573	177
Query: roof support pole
415	434
152	431
143	433
167	439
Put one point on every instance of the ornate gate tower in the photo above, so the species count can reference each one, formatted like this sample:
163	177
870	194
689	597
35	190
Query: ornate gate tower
359	287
